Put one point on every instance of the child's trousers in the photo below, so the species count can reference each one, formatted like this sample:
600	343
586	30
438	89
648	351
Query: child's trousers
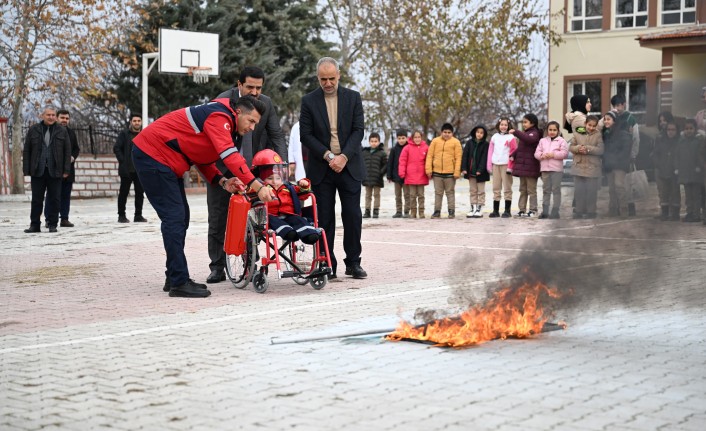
372	195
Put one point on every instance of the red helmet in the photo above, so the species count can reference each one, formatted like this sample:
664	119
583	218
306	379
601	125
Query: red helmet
266	157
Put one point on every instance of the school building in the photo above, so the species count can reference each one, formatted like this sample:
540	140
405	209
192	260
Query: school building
651	51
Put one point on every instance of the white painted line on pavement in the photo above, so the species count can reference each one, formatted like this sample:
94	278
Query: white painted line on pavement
366	298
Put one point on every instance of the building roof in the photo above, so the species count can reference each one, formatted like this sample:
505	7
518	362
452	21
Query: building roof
695	34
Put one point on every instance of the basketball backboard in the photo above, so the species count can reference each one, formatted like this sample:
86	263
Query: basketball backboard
179	50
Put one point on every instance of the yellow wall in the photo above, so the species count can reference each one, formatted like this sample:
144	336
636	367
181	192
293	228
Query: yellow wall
602	52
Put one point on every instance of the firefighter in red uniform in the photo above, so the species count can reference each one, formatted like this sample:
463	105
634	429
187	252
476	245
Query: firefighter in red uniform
167	148
285	212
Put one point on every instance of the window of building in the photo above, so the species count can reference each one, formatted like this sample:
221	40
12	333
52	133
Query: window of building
592	89
630	13
635	92
678	11
588	15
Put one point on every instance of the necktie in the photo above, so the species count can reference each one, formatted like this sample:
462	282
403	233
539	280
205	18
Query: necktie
47	137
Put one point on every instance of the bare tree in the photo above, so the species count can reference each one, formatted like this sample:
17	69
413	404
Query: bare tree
48	44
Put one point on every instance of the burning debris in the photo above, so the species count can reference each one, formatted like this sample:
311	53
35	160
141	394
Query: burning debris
513	311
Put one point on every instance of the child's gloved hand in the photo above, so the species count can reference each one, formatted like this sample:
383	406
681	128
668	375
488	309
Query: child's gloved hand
304	184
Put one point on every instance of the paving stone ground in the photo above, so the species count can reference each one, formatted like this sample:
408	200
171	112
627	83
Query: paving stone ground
89	341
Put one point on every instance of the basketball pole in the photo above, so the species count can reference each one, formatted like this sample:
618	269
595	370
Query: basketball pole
146	69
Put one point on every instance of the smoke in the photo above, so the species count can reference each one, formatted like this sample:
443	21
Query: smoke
608	265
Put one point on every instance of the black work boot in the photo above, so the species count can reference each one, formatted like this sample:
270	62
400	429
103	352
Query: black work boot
452	213
496	210
545	211
507	214
122	219
367	213
376	213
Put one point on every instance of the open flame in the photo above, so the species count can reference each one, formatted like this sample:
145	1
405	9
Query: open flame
509	312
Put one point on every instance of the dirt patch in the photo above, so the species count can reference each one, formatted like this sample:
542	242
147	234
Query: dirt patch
50	274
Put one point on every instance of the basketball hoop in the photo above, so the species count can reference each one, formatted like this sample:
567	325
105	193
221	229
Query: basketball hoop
200	74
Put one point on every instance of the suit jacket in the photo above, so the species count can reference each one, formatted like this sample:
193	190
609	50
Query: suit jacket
315	132
60	151
75	151
267	133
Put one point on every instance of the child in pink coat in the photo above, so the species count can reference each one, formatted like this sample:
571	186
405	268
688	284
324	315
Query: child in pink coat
551	152
411	170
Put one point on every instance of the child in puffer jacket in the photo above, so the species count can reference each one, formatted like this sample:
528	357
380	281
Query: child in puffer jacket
551	151
411	170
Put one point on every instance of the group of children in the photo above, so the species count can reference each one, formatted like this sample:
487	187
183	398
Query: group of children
599	145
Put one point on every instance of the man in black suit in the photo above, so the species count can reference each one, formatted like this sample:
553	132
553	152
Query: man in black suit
267	134
331	127
46	157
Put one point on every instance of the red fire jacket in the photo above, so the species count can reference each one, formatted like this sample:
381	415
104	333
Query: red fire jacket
196	135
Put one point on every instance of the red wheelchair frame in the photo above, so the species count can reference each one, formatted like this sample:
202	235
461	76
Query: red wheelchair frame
248	226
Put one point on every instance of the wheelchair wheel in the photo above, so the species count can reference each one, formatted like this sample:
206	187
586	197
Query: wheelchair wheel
239	269
260	282
319	282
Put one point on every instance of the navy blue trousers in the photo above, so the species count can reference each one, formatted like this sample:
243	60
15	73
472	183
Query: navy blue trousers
165	191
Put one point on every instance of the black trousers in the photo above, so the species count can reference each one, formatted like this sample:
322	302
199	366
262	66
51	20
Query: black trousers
217	201
52	187
66	187
125	183
349	192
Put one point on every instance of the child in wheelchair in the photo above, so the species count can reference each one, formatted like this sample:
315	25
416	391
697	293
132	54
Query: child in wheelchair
284	214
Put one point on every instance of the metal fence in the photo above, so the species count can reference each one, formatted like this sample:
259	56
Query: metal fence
91	140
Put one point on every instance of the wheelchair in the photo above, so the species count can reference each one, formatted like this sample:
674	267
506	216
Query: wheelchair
251	247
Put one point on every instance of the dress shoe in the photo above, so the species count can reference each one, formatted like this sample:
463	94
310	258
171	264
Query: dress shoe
356	271
123	219
216	276
332	276
52	229
33	229
190	289
168	284
66	223
139	219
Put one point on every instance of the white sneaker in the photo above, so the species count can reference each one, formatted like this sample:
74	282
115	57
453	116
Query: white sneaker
530	214
477	213
470	214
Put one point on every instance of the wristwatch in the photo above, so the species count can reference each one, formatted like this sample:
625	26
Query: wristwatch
330	156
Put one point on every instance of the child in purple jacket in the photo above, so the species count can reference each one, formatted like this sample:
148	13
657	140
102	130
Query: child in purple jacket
525	165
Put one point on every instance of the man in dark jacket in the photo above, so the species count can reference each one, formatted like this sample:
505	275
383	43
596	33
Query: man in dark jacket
393	175
126	170
68	183
267	134
332	126
46	157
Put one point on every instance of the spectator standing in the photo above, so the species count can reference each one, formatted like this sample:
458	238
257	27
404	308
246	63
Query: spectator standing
412	171
67	183
665	160
525	165
126	169
46	158
616	162
502	144
402	206
690	169
618	103
701	115
443	166
376	167
332	124
267	134
587	148
474	167
551	152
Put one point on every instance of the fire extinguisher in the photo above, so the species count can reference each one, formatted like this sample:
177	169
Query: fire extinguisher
238	208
